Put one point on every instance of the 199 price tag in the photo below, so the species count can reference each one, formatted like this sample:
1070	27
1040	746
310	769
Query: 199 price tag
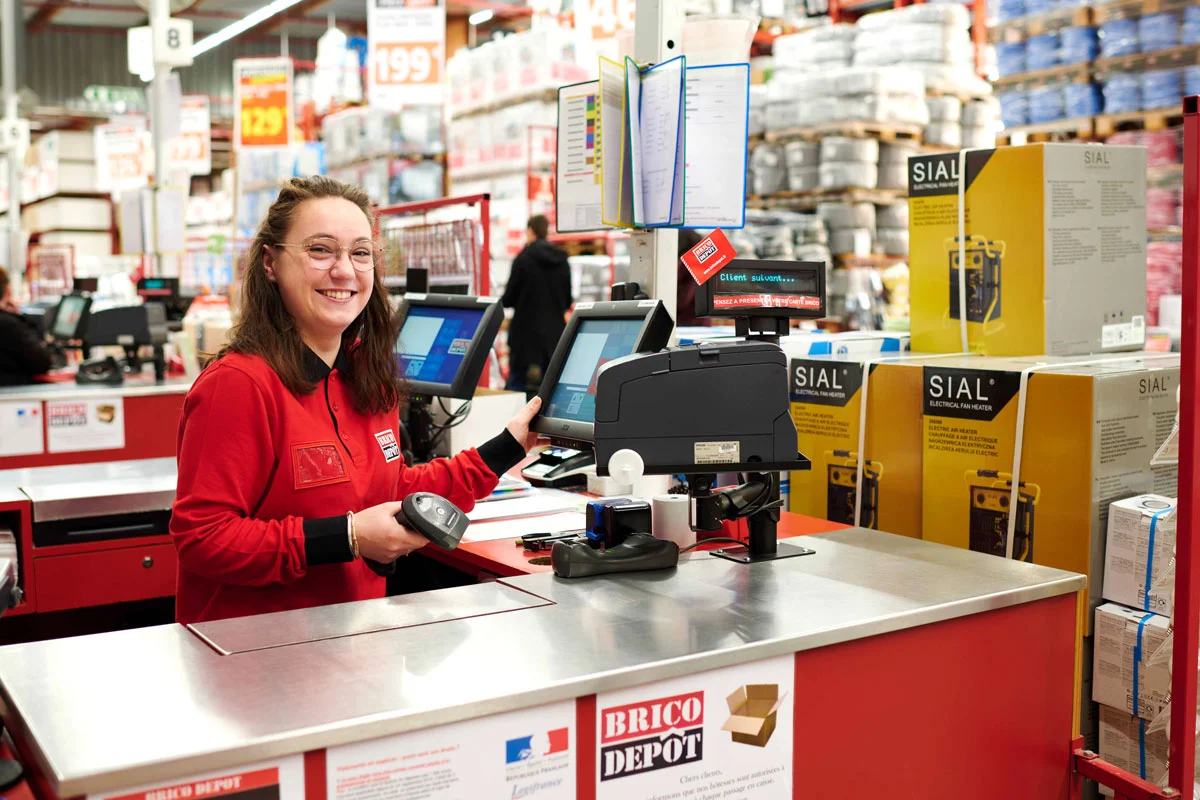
398	63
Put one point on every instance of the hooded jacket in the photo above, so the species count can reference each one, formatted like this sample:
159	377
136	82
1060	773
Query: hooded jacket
539	293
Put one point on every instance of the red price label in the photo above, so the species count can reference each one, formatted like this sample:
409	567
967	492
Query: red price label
124	166
263	109
191	146
407	63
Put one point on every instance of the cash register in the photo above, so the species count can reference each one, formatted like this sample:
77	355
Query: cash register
703	409
441	350
596	334
128	327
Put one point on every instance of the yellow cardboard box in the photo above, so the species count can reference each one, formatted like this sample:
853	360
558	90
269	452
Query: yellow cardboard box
1089	435
826	394
1053	251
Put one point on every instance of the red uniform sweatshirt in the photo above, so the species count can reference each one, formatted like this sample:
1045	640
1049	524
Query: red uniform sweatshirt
266	478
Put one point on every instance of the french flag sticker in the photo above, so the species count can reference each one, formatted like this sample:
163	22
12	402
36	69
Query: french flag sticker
537	745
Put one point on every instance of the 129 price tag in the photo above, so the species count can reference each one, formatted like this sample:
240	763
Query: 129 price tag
399	63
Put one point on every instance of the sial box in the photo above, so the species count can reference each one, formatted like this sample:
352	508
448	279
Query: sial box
826	403
1089	431
1141	543
1122	678
1053	249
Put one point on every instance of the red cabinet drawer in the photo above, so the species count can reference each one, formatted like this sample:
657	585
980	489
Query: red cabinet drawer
107	576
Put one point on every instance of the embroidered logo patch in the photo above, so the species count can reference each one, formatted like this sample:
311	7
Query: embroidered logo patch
388	444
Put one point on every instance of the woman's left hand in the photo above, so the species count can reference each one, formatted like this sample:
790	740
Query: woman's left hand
518	426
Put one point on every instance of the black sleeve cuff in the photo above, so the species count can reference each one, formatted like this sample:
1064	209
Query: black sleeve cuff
501	453
326	541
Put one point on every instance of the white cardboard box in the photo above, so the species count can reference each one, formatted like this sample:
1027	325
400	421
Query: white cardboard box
1118	633
1141	540
1124	744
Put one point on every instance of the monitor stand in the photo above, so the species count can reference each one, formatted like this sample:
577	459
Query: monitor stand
560	467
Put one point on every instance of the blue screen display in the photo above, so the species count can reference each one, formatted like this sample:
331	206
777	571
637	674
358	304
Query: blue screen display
433	342
597	342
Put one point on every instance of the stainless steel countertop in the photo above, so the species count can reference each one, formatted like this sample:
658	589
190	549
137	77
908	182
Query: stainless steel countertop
101	482
121	709
138	387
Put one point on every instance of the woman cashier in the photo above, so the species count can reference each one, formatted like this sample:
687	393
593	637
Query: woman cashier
289	462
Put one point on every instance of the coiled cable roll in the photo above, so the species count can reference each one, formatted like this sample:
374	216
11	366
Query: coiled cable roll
849	175
1046	104
1122	94
1041	52
767	173
802	154
1083	100
944	134
804	179
978	138
1161	88
1118	37
946	108
1158	31
893	241
1010	58
841	216
856	241
1079	44
897	152
894	176
892	216
842	148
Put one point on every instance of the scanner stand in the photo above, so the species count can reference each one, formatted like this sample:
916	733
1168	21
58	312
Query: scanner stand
762	490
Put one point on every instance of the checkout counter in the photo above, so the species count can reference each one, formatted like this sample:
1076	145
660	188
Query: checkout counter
868	665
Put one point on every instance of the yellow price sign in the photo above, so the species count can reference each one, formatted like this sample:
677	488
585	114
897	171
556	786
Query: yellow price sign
264	104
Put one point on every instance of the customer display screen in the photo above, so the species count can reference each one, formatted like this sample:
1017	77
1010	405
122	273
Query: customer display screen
433	342
736	287
66	320
597	342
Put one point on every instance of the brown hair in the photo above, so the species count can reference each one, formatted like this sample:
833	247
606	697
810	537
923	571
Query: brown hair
267	330
539	225
3	281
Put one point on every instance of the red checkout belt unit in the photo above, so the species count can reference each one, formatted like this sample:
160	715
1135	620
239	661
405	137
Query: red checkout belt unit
87	478
880	666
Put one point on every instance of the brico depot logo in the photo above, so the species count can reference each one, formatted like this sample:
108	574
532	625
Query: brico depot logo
652	735
705	250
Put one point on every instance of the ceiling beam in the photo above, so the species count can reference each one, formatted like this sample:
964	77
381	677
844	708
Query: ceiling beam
43	16
295	15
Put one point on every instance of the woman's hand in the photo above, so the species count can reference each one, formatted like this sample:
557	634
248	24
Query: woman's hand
381	538
518	426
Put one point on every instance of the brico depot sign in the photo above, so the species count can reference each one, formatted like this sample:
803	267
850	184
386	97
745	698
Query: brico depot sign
651	735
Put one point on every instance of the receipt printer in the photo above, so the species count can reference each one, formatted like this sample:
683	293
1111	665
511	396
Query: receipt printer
705	408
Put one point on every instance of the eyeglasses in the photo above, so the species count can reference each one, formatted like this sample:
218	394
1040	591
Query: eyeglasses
323	252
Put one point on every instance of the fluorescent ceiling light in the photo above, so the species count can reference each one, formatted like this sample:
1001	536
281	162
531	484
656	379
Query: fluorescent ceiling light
480	17
241	26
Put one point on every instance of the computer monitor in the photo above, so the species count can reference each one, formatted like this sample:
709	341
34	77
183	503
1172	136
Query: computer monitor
71	318
444	341
597	333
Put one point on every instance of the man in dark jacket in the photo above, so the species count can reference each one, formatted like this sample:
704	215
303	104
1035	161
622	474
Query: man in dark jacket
22	354
539	293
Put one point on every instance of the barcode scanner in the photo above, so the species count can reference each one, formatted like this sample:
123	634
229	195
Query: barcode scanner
434	517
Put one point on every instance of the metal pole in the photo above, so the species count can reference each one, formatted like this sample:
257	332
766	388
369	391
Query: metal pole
1187	575
160	12
8	43
653	255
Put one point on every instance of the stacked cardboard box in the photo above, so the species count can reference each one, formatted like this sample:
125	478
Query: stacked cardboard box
1131	686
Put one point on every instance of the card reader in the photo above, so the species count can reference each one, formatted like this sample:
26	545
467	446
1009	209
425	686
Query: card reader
560	467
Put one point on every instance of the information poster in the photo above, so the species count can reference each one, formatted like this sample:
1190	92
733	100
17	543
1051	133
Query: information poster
275	780
123	159
75	426
407	51
192	148
263	114
21	429
528	753
722	734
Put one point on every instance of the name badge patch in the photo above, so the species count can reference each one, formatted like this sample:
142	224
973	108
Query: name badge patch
389	445
317	464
